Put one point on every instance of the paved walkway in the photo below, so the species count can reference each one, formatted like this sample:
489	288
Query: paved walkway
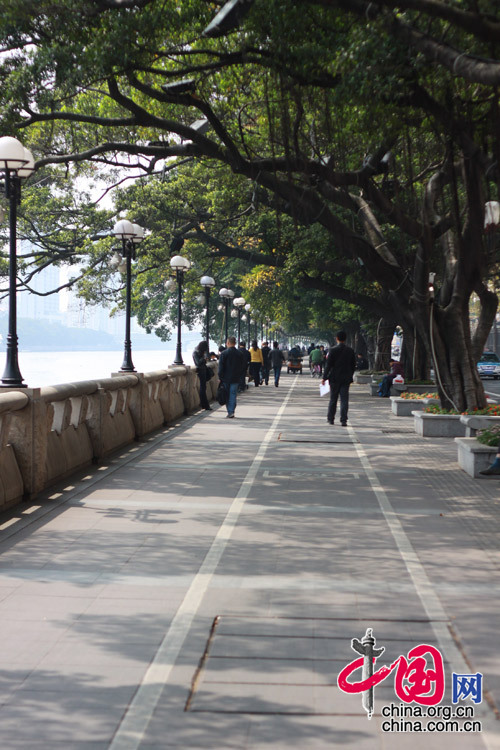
202	589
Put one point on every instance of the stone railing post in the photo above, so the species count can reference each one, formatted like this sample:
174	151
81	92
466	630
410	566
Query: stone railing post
29	436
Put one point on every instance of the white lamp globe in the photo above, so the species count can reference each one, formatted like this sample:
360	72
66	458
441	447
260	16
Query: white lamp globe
124	229
207	281
224	292
138	233
115	261
12	154
178	263
29	167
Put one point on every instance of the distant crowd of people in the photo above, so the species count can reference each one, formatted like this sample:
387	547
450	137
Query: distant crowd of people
238	366
235	364
335	365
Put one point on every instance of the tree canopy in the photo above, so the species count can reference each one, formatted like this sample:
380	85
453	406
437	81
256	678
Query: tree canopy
343	148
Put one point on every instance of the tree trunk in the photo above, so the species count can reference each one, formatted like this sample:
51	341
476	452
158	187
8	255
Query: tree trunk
385	333
459	385
415	354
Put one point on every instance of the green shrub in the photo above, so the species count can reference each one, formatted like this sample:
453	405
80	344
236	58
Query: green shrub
491	436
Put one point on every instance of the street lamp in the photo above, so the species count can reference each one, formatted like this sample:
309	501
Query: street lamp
239	303
16	162
248	308
208	283
180	265
130	235
226	295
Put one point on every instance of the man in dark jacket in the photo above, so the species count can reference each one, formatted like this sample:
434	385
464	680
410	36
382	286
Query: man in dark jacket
339	369
266	356
242	348
231	364
277	358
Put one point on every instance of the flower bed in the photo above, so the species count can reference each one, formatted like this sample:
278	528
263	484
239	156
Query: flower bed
492	410
412	395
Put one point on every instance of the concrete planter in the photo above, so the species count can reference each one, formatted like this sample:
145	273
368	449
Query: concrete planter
404	407
473	423
396	390
438	425
362	379
473	457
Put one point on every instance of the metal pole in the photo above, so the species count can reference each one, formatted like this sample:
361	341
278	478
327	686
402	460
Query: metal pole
178	350
207	304
239	325
226	303
12	377
249	331
127	364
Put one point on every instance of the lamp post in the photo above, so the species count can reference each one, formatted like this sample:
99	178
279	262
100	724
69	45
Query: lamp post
234	315
239	303
16	163
180	265
130	235
226	294
248	307
208	283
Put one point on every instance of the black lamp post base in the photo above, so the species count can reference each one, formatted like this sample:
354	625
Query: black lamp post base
178	356
12	377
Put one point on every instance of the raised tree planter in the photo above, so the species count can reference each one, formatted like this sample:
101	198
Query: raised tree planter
473	456
396	390
474	423
438	425
429	388
404	407
362	379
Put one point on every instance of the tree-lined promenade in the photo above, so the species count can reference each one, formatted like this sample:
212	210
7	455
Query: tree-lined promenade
201	589
325	159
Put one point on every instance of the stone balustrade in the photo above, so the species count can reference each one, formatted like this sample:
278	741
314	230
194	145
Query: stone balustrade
49	433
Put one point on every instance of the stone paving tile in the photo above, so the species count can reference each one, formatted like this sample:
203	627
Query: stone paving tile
311	732
86	713
274	573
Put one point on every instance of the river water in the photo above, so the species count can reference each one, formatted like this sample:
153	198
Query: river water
51	368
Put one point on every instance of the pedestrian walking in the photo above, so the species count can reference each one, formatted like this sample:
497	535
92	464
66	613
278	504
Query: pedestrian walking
323	357
232	363
339	369
200	357
277	359
256	362
266	356
246	356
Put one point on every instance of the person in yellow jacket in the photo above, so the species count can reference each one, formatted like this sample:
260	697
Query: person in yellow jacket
256	362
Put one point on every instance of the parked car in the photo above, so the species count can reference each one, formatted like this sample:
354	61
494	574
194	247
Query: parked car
489	366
